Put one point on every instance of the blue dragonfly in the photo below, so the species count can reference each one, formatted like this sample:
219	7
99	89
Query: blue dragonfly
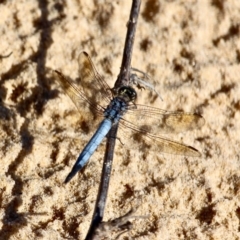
102	107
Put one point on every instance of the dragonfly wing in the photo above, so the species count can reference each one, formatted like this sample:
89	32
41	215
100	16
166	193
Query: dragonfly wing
94	86
155	120
143	140
89	111
90	93
145	123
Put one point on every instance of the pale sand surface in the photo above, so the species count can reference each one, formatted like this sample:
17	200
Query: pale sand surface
192	51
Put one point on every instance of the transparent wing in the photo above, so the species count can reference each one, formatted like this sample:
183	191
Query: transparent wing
143	140
90	93
155	120
145	123
93	84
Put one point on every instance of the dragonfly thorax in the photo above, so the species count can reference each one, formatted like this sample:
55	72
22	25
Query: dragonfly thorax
115	109
118	105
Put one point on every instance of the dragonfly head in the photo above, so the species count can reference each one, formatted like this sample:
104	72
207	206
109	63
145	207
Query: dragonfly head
127	93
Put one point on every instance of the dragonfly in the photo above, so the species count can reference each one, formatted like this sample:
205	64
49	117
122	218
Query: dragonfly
101	107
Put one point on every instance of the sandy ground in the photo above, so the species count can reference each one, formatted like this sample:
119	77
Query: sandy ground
192	51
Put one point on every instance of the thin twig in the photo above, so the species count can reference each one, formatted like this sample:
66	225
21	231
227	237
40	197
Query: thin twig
124	75
123	79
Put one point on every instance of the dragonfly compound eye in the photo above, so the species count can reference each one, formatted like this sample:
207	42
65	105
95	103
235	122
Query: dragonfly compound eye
128	93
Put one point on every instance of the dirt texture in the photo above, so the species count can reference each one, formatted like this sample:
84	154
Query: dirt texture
191	50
